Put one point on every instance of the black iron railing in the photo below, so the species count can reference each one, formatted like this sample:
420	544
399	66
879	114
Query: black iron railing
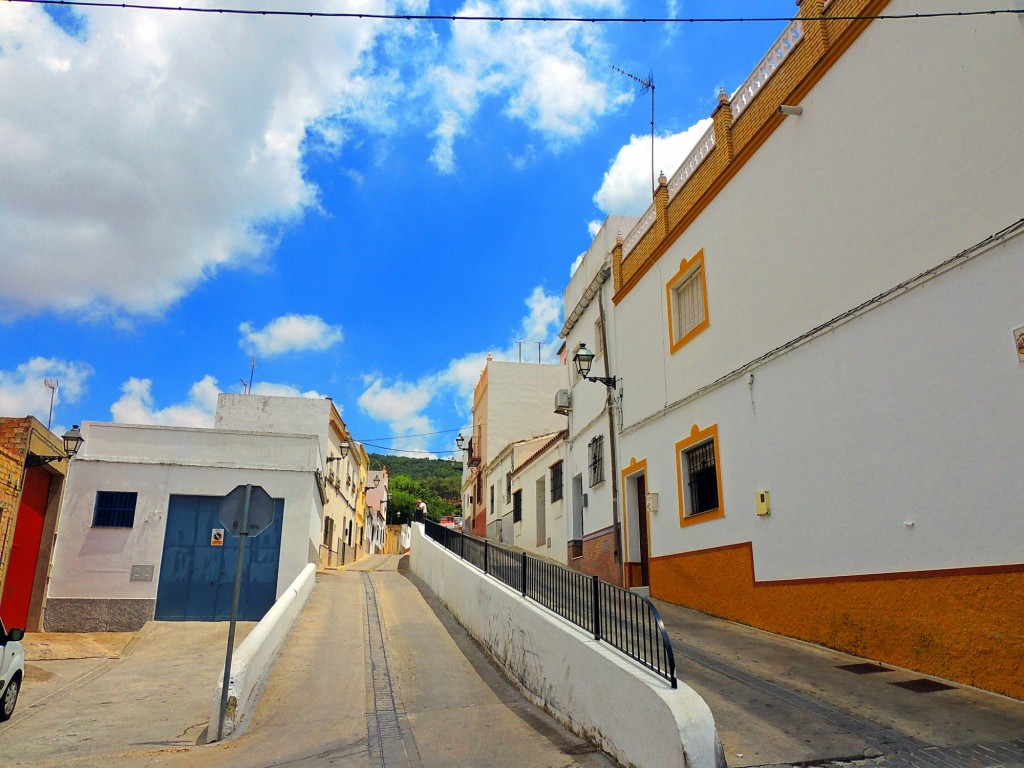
625	620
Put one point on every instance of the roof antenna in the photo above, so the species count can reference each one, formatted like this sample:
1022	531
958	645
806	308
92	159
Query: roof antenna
52	385
247	390
645	86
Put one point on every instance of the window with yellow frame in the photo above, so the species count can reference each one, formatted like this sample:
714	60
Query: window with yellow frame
687	296
699	476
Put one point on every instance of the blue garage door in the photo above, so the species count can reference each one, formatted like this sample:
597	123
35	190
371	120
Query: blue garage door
197	579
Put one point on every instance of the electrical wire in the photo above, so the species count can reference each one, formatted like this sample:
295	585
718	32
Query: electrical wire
561	19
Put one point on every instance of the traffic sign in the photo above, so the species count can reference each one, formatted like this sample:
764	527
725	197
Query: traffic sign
260	512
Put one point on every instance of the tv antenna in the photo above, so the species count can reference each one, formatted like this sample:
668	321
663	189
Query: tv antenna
645	86
247	390
53	385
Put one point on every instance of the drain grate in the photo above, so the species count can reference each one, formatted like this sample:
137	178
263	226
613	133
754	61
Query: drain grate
923	685
391	741
863	668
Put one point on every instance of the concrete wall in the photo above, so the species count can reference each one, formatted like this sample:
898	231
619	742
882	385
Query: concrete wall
90	587
630	713
252	660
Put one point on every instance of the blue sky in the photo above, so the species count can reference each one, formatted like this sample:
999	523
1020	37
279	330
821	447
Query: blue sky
368	208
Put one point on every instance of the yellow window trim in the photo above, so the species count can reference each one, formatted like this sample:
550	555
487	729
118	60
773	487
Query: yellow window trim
696	437
686	268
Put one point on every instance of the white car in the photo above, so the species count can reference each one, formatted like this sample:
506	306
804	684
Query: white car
12	669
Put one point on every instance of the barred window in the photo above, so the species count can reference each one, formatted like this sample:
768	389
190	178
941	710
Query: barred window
114	509
556	481
703	478
508	487
517	507
595	450
690	303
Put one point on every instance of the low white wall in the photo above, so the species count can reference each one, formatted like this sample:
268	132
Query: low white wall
632	714
253	658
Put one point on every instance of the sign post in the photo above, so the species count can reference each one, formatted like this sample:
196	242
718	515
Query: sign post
245	512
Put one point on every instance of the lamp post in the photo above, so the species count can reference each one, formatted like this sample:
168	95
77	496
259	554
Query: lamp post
72	442
584	359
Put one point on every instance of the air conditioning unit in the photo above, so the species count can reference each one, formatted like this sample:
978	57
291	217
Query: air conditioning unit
562	402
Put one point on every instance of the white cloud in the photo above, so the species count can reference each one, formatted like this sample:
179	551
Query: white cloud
289	333
626	188
137	405
401	404
159	147
22	392
551	75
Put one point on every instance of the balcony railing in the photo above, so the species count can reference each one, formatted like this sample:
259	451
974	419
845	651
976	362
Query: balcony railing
625	620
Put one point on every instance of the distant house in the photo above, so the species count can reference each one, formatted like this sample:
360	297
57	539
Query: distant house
511	402
538	499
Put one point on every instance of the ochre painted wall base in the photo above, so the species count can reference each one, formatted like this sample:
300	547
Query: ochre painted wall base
964	625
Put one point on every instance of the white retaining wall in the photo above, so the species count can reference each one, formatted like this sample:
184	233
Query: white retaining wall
632	714
252	660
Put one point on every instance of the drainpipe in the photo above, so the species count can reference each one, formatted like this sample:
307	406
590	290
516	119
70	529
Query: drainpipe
610	406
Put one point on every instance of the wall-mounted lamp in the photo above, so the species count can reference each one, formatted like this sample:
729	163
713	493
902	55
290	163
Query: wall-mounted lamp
584	359
343	450
72	442
376	483
460	442
786	109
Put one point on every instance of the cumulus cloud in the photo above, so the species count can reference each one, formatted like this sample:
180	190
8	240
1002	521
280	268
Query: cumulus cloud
22	392
137	405
626	187
401	404
144	151
552	76
289	333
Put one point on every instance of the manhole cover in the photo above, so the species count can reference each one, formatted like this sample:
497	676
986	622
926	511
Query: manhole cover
923	685
863	669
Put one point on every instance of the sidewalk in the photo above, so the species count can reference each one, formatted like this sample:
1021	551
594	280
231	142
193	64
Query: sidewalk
780	701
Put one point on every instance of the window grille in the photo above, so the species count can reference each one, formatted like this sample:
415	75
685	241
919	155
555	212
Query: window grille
690	303
700	463
556	481
114	509
596	450
517	507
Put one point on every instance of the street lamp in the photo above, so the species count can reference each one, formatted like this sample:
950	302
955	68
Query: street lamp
72	442
376	483
584	359
460	442
343	450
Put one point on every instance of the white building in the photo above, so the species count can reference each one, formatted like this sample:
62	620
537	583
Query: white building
140	535
821	341
594	530
538	500
340	537
502	515
511	402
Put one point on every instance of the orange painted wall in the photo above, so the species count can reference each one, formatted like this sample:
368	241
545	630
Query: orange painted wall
964	625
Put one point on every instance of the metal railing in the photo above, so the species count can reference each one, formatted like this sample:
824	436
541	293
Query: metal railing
625	620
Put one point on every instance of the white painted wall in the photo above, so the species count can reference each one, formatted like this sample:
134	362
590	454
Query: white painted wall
904	414
525	480
628	711
521	403
156	462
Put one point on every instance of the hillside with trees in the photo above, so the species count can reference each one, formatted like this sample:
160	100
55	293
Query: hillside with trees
437	482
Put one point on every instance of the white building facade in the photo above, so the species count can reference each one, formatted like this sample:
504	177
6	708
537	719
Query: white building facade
593	527
821	325
538	501
140	535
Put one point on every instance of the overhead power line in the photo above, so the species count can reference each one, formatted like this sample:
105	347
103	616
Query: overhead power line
563	19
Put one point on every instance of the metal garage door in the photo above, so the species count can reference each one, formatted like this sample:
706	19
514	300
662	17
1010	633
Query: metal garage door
197	578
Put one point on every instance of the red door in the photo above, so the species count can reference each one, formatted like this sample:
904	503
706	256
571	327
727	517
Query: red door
28	532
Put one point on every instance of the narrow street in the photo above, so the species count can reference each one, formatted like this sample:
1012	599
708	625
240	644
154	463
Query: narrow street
377	674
